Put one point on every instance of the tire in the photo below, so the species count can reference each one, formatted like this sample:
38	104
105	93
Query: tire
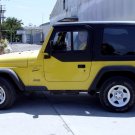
7	94
118	94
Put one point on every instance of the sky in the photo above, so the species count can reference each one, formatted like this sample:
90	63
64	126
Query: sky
34	12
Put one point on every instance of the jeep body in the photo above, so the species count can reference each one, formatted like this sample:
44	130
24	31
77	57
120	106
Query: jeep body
104	64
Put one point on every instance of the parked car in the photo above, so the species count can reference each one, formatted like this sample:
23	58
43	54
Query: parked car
93	57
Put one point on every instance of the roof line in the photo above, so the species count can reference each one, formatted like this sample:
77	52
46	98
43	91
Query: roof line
95	22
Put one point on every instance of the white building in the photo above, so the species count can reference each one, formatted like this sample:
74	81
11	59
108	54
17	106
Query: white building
93	10
31	35
64	10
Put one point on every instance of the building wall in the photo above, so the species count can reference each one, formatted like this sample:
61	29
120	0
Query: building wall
70	10
108	10
34	35
94	10
45	29
31	35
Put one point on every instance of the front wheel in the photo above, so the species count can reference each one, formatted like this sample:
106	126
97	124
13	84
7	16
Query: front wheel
118	94
7	94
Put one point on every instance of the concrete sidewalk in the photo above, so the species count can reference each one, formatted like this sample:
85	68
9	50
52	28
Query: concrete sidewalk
64	115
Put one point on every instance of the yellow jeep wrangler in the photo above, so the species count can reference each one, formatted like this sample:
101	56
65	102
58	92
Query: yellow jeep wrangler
93	57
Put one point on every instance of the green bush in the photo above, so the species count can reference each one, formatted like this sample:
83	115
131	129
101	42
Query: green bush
3	45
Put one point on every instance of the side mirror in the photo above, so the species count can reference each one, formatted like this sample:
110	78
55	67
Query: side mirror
47	56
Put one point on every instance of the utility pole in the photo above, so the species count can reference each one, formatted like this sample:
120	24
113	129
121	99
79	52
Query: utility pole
2	17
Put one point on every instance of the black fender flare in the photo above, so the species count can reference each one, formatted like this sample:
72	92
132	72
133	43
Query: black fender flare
13	76
108	69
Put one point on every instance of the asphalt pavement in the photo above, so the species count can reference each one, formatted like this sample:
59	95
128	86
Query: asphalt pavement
48	114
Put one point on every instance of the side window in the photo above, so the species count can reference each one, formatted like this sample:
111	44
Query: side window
80	39
62	41
118	41
70	41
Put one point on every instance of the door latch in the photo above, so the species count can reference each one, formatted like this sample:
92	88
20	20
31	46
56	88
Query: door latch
81	66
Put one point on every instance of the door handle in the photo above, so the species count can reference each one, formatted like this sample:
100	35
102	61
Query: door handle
81	66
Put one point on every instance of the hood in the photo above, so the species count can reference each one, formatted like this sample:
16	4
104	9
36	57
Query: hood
18	59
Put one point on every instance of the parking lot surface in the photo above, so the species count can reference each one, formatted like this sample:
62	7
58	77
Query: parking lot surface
47	114
24	47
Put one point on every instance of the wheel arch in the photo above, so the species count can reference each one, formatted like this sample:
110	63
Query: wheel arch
111	71
13	78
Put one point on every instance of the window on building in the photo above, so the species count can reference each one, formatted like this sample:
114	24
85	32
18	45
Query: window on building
64	4
118	41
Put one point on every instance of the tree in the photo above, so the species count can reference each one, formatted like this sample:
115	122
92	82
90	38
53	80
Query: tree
9	28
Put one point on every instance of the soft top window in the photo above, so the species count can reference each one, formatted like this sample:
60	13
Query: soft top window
118	41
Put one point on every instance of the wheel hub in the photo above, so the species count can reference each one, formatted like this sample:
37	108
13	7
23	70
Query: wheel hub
2	95
119	96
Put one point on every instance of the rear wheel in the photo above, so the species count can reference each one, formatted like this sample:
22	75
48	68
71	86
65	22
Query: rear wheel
7	94
118	94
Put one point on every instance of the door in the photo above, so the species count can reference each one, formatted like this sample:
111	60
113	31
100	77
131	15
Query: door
70	60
